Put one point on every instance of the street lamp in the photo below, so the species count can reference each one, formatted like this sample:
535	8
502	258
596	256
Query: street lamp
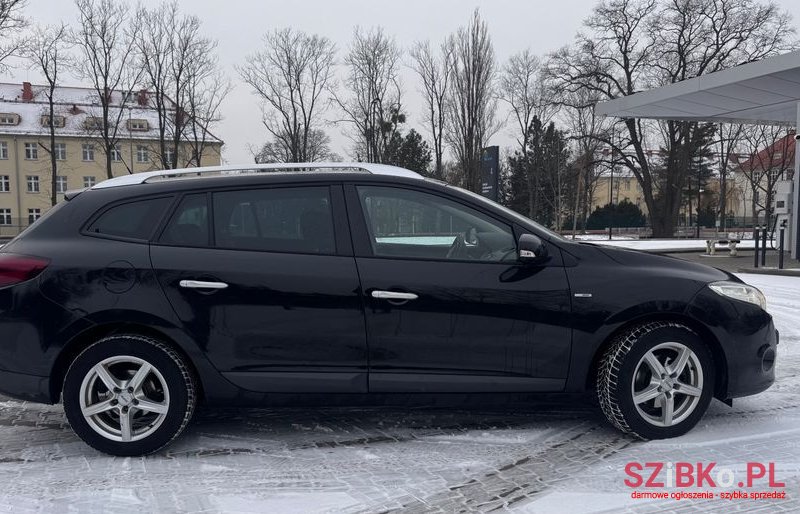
611	195
697	212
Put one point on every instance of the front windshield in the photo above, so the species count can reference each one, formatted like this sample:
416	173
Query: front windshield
512	214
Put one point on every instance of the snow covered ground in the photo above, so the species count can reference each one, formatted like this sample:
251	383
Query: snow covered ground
549	456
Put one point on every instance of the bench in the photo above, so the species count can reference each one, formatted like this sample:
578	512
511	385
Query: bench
711	246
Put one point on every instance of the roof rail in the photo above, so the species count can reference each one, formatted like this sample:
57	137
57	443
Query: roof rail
141	178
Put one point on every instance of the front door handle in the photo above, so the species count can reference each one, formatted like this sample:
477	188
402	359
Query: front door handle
394	295
200	284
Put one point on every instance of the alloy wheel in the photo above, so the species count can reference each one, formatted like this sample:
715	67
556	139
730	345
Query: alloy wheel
667	384
124	398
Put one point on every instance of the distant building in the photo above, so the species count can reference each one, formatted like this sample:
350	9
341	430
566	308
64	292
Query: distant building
25	169
623	185
755	178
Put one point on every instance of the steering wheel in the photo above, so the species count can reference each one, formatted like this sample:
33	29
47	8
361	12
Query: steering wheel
458	249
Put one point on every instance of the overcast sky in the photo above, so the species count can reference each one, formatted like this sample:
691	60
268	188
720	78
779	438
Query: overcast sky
238	25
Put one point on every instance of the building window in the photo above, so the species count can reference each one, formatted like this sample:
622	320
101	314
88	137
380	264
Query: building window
116	155
93	123
627	185
58	121
88	152
61	184
169	154
5	216
33	183
31	151
60	149
3	150
5	184
142	155
138	125
8	118
89	181
33	215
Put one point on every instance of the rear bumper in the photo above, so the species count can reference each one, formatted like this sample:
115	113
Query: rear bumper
25	387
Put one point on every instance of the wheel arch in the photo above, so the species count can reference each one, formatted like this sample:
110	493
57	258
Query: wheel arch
86	338
706	335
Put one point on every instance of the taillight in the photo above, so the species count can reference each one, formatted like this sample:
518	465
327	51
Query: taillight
19	268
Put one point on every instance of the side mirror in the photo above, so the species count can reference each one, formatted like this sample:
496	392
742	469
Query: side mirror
531	249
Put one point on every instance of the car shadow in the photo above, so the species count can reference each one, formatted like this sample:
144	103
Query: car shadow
229	429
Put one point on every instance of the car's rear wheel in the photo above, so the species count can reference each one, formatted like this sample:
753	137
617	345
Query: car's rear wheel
129	395
656	380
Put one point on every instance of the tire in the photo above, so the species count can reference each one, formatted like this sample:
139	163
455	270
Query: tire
155	394
632	390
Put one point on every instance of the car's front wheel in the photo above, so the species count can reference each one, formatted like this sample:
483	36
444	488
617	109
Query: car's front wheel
129	395
656	380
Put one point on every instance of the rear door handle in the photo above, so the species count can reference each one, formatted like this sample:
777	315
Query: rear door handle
200	284
394	295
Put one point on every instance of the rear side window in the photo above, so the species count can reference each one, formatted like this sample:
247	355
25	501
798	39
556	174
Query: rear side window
134	220
189	224
292	219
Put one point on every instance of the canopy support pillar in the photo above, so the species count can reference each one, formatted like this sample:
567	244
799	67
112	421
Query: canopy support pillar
794	237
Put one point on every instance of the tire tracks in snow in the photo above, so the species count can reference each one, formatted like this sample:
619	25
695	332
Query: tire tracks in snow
527	476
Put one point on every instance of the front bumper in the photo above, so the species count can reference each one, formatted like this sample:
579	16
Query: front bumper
752	370
748	339
25	387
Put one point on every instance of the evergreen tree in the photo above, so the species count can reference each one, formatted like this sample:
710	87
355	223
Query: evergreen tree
410	151
539	185
623	214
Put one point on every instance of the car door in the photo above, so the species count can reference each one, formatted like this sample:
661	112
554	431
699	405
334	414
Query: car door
264	280
448	306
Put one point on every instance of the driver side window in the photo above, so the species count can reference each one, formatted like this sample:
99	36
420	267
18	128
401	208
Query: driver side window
412	224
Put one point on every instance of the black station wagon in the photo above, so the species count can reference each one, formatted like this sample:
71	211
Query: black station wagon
136	299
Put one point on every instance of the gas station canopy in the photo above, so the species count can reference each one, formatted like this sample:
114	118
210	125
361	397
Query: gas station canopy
764	91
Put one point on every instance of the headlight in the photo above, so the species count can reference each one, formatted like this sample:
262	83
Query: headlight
741	292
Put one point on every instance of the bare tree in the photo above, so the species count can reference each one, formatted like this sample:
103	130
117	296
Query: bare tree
630	45
290	75
207	88
471	97
155	47
318	149
373	105
587	130
523	87
728	139
106	36
11	22
434	72
46	50
172	52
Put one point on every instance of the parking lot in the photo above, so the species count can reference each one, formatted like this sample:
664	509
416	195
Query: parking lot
548	455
